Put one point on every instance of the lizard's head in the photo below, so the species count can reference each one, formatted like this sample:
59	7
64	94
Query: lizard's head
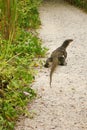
66	42
69	40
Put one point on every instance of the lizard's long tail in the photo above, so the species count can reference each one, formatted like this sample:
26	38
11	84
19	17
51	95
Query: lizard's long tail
53	67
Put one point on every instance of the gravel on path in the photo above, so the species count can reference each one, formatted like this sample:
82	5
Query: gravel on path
64	106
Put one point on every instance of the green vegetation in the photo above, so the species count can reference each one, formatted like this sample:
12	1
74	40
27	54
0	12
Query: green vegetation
19	47
80	3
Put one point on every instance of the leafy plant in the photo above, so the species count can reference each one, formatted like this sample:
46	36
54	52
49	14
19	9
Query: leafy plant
18	51
80	3
28	13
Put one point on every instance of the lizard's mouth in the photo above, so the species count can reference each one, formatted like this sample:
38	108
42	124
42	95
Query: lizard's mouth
70	40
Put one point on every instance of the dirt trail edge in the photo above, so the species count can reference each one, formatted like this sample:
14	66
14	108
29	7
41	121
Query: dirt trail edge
64	106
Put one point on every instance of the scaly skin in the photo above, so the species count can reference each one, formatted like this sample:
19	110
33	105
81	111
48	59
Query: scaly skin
57	57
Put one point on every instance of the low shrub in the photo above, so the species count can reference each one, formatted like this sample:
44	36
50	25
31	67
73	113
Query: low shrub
18	58
80	3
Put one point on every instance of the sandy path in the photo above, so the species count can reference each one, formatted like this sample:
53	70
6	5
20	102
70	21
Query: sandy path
64	106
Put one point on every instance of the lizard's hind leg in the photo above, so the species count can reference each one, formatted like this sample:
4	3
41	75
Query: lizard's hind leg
62	61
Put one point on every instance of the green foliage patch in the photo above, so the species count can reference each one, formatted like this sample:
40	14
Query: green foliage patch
80	3
18	56
28	13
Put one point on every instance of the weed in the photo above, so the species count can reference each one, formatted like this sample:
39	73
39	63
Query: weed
80	3
18	52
